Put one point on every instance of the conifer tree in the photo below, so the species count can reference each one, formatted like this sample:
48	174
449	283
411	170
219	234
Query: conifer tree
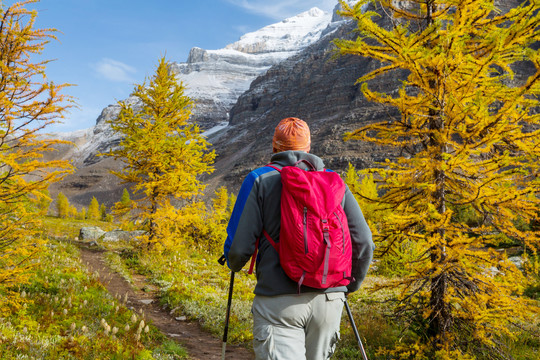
62	205
124	206
365	192
468	129
125	200
93	209
103	212
29	102
163	152
72	211
82	214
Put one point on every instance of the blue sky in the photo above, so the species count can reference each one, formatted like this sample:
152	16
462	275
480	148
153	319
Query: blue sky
104	47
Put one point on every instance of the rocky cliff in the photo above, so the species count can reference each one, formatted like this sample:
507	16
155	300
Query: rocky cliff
316	85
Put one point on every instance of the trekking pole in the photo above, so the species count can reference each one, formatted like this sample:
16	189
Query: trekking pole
364	356
228	314
226	330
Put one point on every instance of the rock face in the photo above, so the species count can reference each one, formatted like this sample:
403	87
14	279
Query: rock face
316	86
216	78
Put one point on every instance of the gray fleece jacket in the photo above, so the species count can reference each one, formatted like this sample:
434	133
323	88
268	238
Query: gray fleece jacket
258	207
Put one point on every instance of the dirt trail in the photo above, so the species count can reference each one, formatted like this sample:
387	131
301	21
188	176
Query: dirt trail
199	344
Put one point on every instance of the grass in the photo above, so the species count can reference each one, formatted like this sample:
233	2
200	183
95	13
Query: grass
65	313
193	284
115	263
57	228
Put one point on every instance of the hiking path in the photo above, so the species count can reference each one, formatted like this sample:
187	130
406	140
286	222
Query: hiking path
199	344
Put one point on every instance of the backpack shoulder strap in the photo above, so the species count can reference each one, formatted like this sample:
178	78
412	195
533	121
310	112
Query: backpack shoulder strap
273	166
254	256
304	161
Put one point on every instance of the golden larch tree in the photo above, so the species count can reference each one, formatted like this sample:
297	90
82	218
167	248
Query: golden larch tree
93	209
29	102
164	154
468	132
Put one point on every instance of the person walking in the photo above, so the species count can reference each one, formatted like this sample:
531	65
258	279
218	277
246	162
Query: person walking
290	320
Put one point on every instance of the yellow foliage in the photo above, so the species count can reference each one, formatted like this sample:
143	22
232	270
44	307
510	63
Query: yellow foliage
62	205
164	153
469	128
93	209
195	224
28	103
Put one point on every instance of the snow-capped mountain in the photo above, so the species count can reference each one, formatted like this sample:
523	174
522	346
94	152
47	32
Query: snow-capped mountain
216	78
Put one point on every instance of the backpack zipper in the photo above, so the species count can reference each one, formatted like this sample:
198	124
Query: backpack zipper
305	231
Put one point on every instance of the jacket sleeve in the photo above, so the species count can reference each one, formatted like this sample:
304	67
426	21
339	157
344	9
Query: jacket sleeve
362	243
245	225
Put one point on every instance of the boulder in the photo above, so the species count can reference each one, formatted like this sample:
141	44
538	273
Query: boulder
120	235
518	261
90	233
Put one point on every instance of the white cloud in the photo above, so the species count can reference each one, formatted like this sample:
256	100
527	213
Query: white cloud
114	70
281	9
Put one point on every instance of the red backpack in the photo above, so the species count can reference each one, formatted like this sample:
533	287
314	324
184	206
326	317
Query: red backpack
314	241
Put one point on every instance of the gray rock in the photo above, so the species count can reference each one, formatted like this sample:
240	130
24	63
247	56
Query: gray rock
90	233
517	260
120	235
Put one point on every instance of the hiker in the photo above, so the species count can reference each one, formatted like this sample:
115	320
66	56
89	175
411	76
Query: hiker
290	320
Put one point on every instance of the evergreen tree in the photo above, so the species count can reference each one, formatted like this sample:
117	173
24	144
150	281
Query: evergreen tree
82	214
164	153
72	211
122	208
125	200
365	192
468	132
93	209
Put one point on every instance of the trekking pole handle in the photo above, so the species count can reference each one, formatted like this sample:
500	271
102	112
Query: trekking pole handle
356	334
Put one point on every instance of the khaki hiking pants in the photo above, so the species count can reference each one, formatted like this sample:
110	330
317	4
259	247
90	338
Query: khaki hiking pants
296	327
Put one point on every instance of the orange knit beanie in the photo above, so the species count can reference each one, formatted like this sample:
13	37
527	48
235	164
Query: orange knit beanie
291	134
